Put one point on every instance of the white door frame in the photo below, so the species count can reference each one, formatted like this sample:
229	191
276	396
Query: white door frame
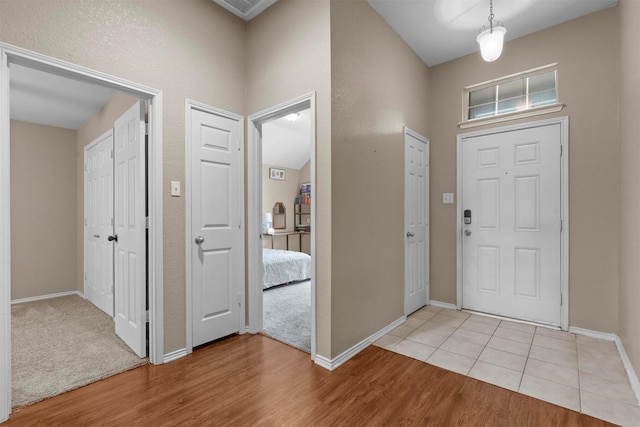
189	106
15	55
254	227
564	206
425	140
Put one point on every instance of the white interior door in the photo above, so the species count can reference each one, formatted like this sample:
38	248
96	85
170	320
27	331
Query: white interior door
416	211
130	229
98	222
511	254
216	243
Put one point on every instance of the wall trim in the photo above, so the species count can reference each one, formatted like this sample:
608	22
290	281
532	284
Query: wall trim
628	367
442	305
48	296
333	364
175	355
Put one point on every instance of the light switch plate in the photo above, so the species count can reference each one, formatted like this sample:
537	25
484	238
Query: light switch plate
447	198
175	188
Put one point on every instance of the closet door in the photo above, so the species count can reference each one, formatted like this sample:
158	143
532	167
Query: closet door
98	250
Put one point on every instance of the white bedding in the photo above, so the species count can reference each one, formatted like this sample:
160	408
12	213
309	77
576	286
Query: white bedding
284	267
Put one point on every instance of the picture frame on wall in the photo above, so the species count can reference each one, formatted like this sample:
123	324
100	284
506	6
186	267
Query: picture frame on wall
279	174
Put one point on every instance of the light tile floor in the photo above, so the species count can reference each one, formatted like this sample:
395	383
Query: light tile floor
574	371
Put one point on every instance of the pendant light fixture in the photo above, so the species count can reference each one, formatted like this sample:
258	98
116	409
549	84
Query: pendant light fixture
491	38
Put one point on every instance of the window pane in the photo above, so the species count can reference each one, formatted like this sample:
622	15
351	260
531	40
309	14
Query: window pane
542	89
486	110
512	104
482	96
542	82
514	89
540	99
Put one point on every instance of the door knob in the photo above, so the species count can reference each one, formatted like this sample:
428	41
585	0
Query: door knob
467	232
410	234
113	238
199	240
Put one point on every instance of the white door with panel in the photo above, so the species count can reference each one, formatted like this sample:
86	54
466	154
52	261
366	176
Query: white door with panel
130	229
98	222
511	226
416	212
216	241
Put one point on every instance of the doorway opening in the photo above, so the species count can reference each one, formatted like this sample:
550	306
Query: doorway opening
281	228
16	62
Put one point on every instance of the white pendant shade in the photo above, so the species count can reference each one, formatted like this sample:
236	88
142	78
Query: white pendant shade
491	42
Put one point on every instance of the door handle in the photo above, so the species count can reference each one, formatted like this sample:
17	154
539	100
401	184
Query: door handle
113	238
467	232
199	240
410	234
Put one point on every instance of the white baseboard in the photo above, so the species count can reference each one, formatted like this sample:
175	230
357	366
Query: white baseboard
41	297
593	334
443	305
332	364
175	355
633	378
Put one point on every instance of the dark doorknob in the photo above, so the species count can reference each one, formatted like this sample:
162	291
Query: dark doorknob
113	238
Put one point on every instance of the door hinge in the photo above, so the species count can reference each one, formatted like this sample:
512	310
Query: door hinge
560	299
146	222
561	150
85	275
240	300
561	225
146	316
111	153
146	129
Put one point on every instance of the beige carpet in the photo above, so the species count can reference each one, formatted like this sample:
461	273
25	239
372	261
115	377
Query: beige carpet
60	344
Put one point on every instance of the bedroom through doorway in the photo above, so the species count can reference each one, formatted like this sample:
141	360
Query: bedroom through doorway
286	228
61	336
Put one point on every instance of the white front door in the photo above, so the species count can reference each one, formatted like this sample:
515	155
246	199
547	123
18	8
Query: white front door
130	229
416	212
217	271
98	222
511	255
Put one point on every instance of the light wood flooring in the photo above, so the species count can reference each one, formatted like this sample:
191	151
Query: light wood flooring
253	380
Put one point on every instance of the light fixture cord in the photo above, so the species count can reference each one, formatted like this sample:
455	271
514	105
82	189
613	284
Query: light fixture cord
491	16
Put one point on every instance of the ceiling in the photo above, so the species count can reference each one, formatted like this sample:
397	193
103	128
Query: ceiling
442	30
287	144
47	99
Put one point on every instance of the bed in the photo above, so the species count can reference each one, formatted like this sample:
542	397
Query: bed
284	266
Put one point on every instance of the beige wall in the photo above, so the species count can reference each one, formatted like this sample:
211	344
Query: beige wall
43	216
379	85
305	174
629	298
587	73
188	49
98	124
274	190
288	55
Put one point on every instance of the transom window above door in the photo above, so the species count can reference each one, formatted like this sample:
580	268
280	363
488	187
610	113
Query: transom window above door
519	95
